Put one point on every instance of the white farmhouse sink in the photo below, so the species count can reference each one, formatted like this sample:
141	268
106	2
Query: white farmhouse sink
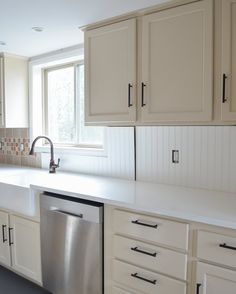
15	192
17	198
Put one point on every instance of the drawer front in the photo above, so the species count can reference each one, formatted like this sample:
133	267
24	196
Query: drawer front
153	229
217	248
152	257
145	281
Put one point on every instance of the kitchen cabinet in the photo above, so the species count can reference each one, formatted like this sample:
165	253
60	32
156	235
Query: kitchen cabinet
110	71
228	60
177	53
174	75
144	253
20	245
5	257
215	280
13	91
25	247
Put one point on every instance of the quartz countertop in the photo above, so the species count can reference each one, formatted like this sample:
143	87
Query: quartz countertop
187	204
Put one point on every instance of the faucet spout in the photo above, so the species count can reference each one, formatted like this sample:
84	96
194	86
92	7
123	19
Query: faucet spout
52	164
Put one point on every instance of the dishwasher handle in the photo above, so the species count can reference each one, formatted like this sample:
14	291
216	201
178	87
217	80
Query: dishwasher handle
66	213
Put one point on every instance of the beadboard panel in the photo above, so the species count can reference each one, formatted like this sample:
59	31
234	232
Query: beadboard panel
117	160
207	156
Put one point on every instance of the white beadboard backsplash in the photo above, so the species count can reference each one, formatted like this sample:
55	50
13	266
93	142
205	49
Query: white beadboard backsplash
207	156
116	161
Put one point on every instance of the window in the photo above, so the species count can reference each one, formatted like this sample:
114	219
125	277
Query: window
64	108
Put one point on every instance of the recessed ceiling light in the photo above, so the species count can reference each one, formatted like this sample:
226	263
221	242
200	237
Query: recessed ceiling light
2	43
37	29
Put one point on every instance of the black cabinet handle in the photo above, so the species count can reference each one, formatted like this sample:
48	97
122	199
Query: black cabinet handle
198	288
10	240
4	239
135	275
145	224
129	95
154	254
224	99
142	96
224	245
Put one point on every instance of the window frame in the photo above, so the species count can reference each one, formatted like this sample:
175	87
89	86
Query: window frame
78	145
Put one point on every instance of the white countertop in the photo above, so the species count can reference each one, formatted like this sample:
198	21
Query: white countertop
198	205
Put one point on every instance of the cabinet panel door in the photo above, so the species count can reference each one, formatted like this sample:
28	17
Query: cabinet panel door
177	61
26	258
110	66
5	257
229	59
215	280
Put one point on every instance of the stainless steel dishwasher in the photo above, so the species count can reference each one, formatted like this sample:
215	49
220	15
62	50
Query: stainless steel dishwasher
71	245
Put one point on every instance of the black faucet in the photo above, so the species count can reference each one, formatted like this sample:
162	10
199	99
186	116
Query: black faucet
52	164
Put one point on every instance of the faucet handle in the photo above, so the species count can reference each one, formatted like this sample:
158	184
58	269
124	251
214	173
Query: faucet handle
58	162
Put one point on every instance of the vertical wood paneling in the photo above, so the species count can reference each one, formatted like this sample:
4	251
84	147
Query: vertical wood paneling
118	160
207	156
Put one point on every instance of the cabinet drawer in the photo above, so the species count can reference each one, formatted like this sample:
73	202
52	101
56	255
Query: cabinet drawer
145	281
152	257
217	248
153	229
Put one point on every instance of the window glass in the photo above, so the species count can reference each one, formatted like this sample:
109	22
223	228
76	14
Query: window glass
64	108
87	135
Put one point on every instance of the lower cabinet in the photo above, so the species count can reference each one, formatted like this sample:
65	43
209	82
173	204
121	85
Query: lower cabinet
5	255
20	245
215	280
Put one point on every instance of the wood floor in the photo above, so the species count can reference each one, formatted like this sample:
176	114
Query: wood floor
11	283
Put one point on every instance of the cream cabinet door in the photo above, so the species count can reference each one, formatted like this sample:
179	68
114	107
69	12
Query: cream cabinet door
177	64
229	60
5	257
25	247
110	73
215	280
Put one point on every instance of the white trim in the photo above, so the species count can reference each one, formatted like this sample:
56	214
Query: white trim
74	150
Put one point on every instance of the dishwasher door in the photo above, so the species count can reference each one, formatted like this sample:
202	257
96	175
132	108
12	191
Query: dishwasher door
72	245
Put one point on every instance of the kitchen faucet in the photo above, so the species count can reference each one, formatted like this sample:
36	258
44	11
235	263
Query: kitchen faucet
52	164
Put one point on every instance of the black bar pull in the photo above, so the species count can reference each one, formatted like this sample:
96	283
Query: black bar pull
154	254
129	95
224	245
198	288
4	239
135	275
142	96
145	224
10	240
224	99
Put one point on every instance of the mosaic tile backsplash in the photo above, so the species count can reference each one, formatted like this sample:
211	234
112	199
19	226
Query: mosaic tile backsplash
15	147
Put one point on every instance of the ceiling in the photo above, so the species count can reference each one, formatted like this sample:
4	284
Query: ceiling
60	20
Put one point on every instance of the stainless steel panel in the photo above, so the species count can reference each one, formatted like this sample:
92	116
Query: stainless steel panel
72	247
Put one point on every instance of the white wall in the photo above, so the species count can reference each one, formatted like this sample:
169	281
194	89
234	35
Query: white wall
207	156
116	161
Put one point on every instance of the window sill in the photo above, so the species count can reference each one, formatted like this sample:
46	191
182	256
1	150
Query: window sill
73	150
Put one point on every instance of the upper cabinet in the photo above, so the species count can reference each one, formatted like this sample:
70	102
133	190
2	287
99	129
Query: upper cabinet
173	79
177	63
110	71
228	60
13	91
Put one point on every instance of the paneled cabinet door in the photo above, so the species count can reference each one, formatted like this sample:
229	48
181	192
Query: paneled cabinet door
25	246
110	73
215	280
229	60
5	256
177	62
